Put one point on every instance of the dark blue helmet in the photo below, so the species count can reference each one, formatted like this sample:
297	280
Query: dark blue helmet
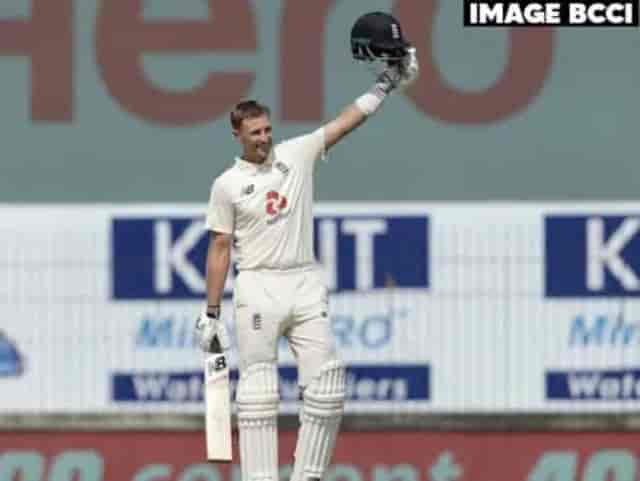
378	36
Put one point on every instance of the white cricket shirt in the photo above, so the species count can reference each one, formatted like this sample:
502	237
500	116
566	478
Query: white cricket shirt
269	207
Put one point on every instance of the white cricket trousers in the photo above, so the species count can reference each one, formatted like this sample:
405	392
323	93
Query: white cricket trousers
292	303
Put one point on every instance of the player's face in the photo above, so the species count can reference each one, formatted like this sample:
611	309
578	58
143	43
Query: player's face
255	136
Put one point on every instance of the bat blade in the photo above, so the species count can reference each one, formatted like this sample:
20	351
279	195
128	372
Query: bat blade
218	408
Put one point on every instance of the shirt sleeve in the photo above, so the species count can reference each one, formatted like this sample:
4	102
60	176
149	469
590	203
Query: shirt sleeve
317	144
220	210
307	148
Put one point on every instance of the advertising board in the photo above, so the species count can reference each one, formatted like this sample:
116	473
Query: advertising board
439	308
369	456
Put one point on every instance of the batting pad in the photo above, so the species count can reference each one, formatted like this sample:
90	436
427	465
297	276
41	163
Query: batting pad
257	403
319	422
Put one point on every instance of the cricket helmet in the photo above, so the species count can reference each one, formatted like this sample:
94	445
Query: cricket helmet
378	36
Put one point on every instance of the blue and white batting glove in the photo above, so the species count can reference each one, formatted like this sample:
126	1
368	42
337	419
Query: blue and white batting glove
409	69
401	75
211	331
397	76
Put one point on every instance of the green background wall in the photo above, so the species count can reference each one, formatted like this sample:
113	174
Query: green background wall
574	137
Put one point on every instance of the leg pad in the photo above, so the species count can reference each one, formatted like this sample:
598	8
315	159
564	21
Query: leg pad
257	402
323	404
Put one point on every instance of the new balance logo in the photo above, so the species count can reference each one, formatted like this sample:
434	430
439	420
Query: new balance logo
248	190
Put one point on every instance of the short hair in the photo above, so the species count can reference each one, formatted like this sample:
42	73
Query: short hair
247	109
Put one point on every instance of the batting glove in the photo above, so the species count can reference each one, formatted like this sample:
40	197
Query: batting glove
397	76
211	331
409	69
401	75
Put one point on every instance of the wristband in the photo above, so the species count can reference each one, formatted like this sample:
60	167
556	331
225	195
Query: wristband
371	101
213	311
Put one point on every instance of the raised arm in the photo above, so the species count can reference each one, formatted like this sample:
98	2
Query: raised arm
398	76
348	120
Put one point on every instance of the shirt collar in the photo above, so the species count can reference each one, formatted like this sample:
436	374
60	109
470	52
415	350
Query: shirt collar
253	168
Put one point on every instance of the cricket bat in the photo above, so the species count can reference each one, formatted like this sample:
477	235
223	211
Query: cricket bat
218	408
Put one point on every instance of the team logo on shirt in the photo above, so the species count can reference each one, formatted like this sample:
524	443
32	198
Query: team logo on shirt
276	204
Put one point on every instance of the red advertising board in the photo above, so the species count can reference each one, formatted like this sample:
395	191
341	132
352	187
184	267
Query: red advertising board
370	456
